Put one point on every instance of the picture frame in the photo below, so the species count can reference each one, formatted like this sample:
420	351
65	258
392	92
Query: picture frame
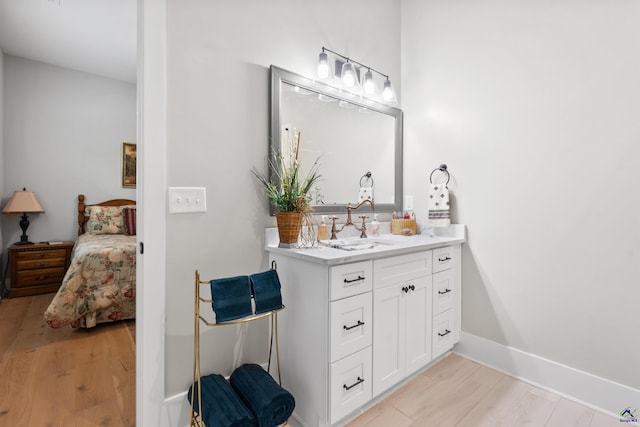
129	158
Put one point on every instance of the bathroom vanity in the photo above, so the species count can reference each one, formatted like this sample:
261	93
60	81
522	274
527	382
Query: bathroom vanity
363	317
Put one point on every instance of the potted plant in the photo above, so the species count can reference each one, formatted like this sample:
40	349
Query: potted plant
288	191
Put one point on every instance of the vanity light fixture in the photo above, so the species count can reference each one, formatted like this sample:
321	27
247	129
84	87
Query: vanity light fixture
350	74
349	78
368	85
387	93
323	65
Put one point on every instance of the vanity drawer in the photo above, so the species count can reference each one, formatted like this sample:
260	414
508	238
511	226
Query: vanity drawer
393	270
443	291
443	258
350	279
350	325
443	333
350	384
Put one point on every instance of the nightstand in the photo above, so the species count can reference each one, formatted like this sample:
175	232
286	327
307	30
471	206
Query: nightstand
38	268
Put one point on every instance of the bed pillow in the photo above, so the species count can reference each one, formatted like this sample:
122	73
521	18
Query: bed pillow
104	220
129	215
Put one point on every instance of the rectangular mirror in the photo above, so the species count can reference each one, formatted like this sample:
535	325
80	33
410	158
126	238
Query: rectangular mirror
352	136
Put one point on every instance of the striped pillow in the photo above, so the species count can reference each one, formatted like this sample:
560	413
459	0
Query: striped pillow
129	215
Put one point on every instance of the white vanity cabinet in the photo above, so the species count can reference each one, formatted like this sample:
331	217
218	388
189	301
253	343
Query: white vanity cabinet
446	299
402	318
358	324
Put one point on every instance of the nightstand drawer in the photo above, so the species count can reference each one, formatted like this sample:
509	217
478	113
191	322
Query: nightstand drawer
39	277
40	262
38	255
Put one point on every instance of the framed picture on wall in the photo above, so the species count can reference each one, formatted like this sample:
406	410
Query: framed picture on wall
128	165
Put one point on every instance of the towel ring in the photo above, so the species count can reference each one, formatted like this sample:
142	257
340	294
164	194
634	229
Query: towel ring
441	168
367	178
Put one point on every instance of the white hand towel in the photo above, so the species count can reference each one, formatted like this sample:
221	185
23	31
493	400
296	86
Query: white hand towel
366	193
439	214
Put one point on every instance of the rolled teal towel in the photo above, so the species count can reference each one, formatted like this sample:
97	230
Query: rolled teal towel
271	404
231	298
266	291
221	406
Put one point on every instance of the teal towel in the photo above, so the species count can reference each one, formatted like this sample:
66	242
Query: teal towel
271	404
221	406
231	298
266	291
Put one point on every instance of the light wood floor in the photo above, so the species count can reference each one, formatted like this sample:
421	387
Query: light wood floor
459	392
63	377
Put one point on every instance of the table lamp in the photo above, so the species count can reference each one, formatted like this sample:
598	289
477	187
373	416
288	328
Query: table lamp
23	202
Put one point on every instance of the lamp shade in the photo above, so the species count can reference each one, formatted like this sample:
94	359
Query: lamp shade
22	201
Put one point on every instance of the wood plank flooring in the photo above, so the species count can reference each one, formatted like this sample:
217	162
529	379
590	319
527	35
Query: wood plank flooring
84	378
461	393
63	377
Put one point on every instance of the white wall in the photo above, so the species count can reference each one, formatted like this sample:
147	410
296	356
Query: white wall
63	136
534	106
218	58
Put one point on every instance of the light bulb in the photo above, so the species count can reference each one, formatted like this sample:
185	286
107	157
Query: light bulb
348	75
369	87
323	65
387	93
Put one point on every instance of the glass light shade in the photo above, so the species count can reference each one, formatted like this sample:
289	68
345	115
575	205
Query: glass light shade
349	78
368	85
323	65
387	93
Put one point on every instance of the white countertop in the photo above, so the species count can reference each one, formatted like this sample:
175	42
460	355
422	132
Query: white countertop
393	245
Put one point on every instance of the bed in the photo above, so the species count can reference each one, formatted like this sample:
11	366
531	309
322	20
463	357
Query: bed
99	285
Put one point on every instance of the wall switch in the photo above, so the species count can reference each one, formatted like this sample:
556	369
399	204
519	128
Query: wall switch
187	199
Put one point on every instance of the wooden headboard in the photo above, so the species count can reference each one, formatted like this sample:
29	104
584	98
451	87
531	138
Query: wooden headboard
82	218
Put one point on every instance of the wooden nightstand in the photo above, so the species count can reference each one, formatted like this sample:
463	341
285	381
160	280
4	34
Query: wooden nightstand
38	268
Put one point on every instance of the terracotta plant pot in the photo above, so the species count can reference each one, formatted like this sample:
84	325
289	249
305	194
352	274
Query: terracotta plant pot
289	224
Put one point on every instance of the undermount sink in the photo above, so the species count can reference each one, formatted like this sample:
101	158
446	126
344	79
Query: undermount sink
357	243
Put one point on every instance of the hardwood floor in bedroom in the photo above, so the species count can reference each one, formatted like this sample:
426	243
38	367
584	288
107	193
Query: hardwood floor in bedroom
64	377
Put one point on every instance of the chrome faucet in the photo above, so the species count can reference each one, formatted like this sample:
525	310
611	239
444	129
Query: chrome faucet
362	229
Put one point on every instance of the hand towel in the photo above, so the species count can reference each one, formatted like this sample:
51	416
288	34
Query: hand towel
365	193
439	215
271	404
231	298
221	406
266	291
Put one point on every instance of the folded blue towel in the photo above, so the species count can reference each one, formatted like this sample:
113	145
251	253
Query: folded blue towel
221	406
271	404
266	291
231	298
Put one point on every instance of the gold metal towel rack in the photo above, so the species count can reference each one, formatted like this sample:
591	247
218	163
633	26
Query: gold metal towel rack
197	420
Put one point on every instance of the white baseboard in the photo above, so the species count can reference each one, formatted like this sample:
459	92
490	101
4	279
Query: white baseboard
595	392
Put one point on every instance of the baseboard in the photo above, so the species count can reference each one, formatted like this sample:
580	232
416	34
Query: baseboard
592	391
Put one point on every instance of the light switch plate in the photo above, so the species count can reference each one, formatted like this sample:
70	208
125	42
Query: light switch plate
187	199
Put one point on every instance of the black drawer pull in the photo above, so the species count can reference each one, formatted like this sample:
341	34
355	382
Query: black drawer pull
445	259
413	288
446	332
347	328
349	387
405	289
446	291
354	280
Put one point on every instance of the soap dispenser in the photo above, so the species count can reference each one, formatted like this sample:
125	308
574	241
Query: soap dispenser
375	226
323	229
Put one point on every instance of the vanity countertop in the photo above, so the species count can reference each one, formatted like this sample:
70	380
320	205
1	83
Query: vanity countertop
391	245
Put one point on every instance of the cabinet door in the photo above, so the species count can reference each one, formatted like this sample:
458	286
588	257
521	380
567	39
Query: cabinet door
418	319
388	337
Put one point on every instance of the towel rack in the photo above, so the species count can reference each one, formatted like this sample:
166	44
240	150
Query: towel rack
442	168
197	420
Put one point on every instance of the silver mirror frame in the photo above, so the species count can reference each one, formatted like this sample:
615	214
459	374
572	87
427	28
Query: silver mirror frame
279	75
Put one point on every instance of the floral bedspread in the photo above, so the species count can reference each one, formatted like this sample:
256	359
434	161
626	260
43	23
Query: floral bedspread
100	284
